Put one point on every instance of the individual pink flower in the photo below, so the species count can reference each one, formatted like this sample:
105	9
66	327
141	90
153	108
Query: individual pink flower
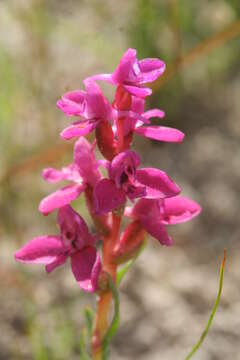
82	172
74	242
160	133
90	106
132	73
126	181
154	215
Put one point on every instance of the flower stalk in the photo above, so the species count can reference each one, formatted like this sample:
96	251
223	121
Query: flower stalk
104	300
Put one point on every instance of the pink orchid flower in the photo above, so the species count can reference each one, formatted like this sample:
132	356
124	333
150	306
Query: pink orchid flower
74	241
154	215
132	73
160	133
82	172
126	181
90	106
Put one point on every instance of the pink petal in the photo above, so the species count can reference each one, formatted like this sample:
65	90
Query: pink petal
120	164
66	173
84	159
150	70
97	267
86	266
107	196
52	175
97	105
158	183
123	71
81	129
154	113
74	228
151	64
134	191
60	260
160	133
138	91
102	77
72	103
179	209
41	250
60	198
144	208
156	229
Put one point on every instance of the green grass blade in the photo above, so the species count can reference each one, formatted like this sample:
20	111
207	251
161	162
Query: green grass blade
89	316
205	332
115	321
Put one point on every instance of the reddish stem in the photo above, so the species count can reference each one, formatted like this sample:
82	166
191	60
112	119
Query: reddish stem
104	301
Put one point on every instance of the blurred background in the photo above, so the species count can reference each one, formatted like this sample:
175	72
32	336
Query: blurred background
49	47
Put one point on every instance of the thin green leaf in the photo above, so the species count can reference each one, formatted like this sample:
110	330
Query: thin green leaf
115	321
124	269
205	332
89	316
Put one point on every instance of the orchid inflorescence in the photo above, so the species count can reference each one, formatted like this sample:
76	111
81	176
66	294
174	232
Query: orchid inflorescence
153	196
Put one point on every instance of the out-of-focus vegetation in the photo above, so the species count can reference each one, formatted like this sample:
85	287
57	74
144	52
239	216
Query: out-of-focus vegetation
48	47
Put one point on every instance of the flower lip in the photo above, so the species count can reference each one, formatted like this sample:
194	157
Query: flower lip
155	214
74	242
123	167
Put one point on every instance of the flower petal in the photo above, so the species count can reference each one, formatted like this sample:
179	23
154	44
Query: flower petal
121	163
60	198
154	113
150	70
107	196
86	266
97	105
66	173
138	91
52	175
60	260
85	161
72	103
78	129
144	208
102	77
41	250
158	183
156	229
179	209
160	133
73	228
124	70
135	190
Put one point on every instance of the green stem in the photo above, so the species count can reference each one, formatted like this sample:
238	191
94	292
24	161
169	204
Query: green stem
205	332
